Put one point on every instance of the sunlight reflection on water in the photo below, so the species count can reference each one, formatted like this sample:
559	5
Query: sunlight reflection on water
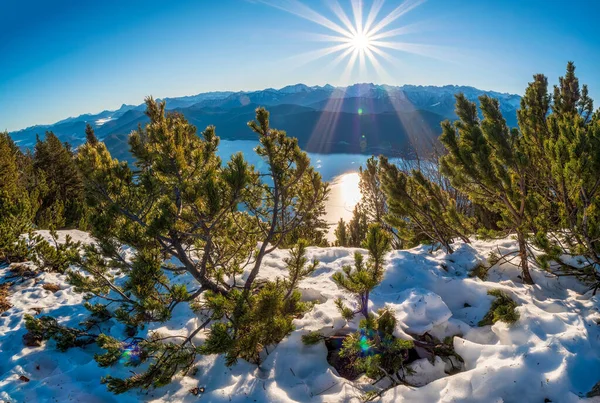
345	194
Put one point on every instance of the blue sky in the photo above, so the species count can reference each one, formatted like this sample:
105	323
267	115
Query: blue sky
65	58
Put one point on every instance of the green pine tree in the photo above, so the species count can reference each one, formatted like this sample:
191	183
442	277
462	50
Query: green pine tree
17	205
487	161
261	320
61	195
341	237
181	203
373	201
563	140
357	227
90	135
420	208
365	276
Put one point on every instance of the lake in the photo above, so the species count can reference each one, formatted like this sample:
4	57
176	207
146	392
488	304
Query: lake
340	170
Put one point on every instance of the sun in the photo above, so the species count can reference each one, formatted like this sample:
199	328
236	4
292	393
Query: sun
361	41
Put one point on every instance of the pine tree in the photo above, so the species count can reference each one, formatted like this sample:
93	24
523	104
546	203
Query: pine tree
312	230
62	198
357	227
90	135
365	276
373	200
374	351
487	161
256	322
181	202
16	207
563	140
54	255
297	192
341	238
420	208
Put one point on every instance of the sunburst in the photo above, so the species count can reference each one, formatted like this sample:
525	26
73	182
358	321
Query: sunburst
363	40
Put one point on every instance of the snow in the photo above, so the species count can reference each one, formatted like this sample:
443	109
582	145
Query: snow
552	352
102	121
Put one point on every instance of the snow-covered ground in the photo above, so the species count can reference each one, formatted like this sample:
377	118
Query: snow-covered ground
552	354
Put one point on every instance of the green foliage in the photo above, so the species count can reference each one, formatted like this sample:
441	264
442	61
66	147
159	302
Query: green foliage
14	221
356	229
54	255
168	359
373	198
46	328
253	322
374	351
312	230
564	139
183	210
16	204
114	350
251	329
361	279
420	208
59	184
90	135
341	236
373	202
488	162
298	266
503	309
312	338
296	196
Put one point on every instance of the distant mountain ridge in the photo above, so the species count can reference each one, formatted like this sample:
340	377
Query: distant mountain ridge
361	118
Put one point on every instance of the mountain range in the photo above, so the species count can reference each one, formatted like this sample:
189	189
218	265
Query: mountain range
361	118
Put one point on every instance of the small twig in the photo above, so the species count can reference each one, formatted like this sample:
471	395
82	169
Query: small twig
323	391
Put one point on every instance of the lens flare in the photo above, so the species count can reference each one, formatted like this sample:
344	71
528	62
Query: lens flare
364	344
130	353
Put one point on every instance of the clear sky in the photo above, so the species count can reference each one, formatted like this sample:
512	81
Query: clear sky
65	58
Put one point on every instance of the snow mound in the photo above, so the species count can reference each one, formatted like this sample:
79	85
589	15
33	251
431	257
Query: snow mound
419	311
551	354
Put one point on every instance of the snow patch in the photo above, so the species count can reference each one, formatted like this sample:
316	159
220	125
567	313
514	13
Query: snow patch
552	352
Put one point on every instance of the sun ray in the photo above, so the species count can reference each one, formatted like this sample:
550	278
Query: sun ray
373	12
334	5
406	29
357	11
379	70
305	58
362	63
398	12
338	59
359	41
348	70
303	11
314	37
386	56
430	51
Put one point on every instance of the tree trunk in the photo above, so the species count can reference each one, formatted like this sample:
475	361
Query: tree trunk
523	254
365	305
